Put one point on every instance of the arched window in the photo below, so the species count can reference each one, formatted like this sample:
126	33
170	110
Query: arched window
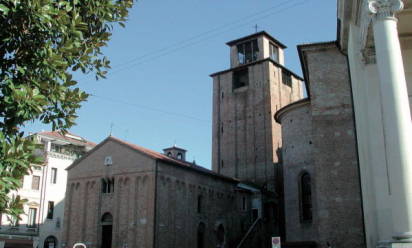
199	204
169	154
107	185
180	156
201	235
305	198
50	242
107	219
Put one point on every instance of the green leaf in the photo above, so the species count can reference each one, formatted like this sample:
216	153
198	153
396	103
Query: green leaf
45	41
4	9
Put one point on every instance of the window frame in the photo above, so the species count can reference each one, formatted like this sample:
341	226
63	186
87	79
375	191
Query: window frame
244	203
33	182
237	76
53	175
287	78
31	220
107	185
273	47
50	210
249	56
199	203
179	156
305	201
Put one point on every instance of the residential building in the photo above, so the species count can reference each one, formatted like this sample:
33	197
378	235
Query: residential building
44	189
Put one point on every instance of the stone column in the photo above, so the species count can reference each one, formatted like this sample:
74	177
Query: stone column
396	115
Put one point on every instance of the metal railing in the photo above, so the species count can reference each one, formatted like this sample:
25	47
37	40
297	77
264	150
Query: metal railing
254	228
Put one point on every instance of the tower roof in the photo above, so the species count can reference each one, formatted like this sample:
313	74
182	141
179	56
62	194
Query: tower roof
233	42
174	147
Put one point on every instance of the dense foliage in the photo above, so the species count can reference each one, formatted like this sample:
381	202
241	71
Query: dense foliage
41	43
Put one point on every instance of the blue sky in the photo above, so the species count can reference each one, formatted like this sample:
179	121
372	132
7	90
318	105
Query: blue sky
159	91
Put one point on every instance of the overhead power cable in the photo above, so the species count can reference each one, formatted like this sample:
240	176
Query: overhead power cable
206	35
144	107
195	37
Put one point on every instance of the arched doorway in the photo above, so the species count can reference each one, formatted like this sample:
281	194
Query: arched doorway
107	228
220	235
50	242
201	235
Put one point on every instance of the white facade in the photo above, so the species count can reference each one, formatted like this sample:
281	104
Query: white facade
377	37
44	189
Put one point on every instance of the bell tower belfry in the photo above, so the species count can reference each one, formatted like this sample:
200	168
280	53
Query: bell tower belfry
246	138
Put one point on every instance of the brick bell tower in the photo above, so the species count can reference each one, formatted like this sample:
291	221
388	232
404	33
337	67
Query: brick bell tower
246	138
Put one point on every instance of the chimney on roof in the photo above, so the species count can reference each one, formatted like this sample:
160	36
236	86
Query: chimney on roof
175	152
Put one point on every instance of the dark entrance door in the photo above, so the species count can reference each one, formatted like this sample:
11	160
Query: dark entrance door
107	229
107	236
201	235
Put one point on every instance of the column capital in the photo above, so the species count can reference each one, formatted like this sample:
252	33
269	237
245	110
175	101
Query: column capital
384	9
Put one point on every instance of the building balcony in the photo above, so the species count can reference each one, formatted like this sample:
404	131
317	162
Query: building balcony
19	230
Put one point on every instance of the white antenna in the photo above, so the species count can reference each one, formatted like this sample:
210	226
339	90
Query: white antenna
256	28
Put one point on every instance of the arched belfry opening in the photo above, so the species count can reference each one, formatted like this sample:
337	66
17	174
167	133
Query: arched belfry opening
107	230
175	152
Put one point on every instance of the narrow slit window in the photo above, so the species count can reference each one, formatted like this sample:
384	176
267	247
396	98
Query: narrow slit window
199	204
306	198
50	210
244	203
53	178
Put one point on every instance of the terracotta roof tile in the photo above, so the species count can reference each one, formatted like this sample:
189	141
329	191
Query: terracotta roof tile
59	135
163	157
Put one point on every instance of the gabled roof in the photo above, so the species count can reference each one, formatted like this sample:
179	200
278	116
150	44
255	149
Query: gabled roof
157	156
69	137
